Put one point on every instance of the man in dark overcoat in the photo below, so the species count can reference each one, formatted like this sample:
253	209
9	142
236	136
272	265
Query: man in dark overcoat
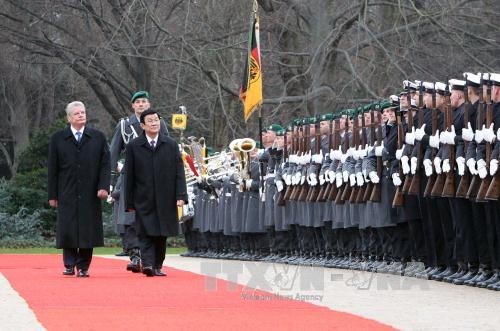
78	177
155	187
127	129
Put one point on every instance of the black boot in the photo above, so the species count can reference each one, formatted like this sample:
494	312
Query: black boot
495	278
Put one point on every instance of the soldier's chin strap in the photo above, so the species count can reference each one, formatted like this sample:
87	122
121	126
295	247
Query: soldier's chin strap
127	136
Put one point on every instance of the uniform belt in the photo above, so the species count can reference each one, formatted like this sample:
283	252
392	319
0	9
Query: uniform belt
269	176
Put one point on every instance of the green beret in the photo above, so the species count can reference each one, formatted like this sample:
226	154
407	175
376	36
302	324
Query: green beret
274	127
384	104
281	133
350	113
327	117
297	121
139	94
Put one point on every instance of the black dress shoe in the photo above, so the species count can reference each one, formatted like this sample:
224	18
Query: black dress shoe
123	253
82	273
158	272
69	271
134	265
148	271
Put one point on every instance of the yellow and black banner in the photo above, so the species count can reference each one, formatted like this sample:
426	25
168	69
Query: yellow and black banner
251	87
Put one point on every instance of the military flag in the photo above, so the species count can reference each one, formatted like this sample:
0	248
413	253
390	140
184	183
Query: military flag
251	87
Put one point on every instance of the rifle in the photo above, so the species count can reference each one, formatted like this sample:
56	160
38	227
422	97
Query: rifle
304	188
314	191
332	194
464	183
493	192
485	183
376	194
398	200
355	143
437	190
362	190
476	181
370	185
414	188
289	188
325	189
345	186
299	145
281	201
449	184
348	143
432	178
409	177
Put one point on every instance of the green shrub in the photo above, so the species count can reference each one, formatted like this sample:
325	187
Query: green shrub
22	229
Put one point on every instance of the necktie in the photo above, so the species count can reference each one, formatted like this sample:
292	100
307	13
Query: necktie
152	143
78	136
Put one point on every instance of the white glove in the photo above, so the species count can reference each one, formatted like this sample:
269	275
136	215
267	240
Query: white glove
420	133
336	154
288	179
355	154
396	180
119	166
410	137
344	157
279	185
331	176
379	149
359	179
362	152
450	136
498	134
405	165
399	153
318	158
471	164
322	179
468	133
479	136
352	179
248	183
437	165
302	180
481	169
374	177
306	158
313	180
413	163
345	176
434	140
338	179
446	165
296	178
489	134
428	167
461	165
493	167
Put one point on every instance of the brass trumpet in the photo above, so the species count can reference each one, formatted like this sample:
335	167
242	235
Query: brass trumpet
243	147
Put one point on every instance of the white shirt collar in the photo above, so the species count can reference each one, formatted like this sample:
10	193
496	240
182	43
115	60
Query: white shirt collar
155	139
75	130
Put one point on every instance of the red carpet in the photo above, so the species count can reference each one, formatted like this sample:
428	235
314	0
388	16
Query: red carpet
113	299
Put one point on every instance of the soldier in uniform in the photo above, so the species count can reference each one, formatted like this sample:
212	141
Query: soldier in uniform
127	129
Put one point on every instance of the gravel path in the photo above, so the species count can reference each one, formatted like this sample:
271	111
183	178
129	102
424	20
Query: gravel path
15	314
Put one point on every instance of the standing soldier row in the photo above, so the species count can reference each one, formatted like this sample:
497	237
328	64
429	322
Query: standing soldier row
406	186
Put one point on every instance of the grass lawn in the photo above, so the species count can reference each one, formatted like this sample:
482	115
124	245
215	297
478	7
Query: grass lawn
97	250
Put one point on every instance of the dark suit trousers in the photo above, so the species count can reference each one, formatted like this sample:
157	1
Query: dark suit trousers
79	257
152	250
